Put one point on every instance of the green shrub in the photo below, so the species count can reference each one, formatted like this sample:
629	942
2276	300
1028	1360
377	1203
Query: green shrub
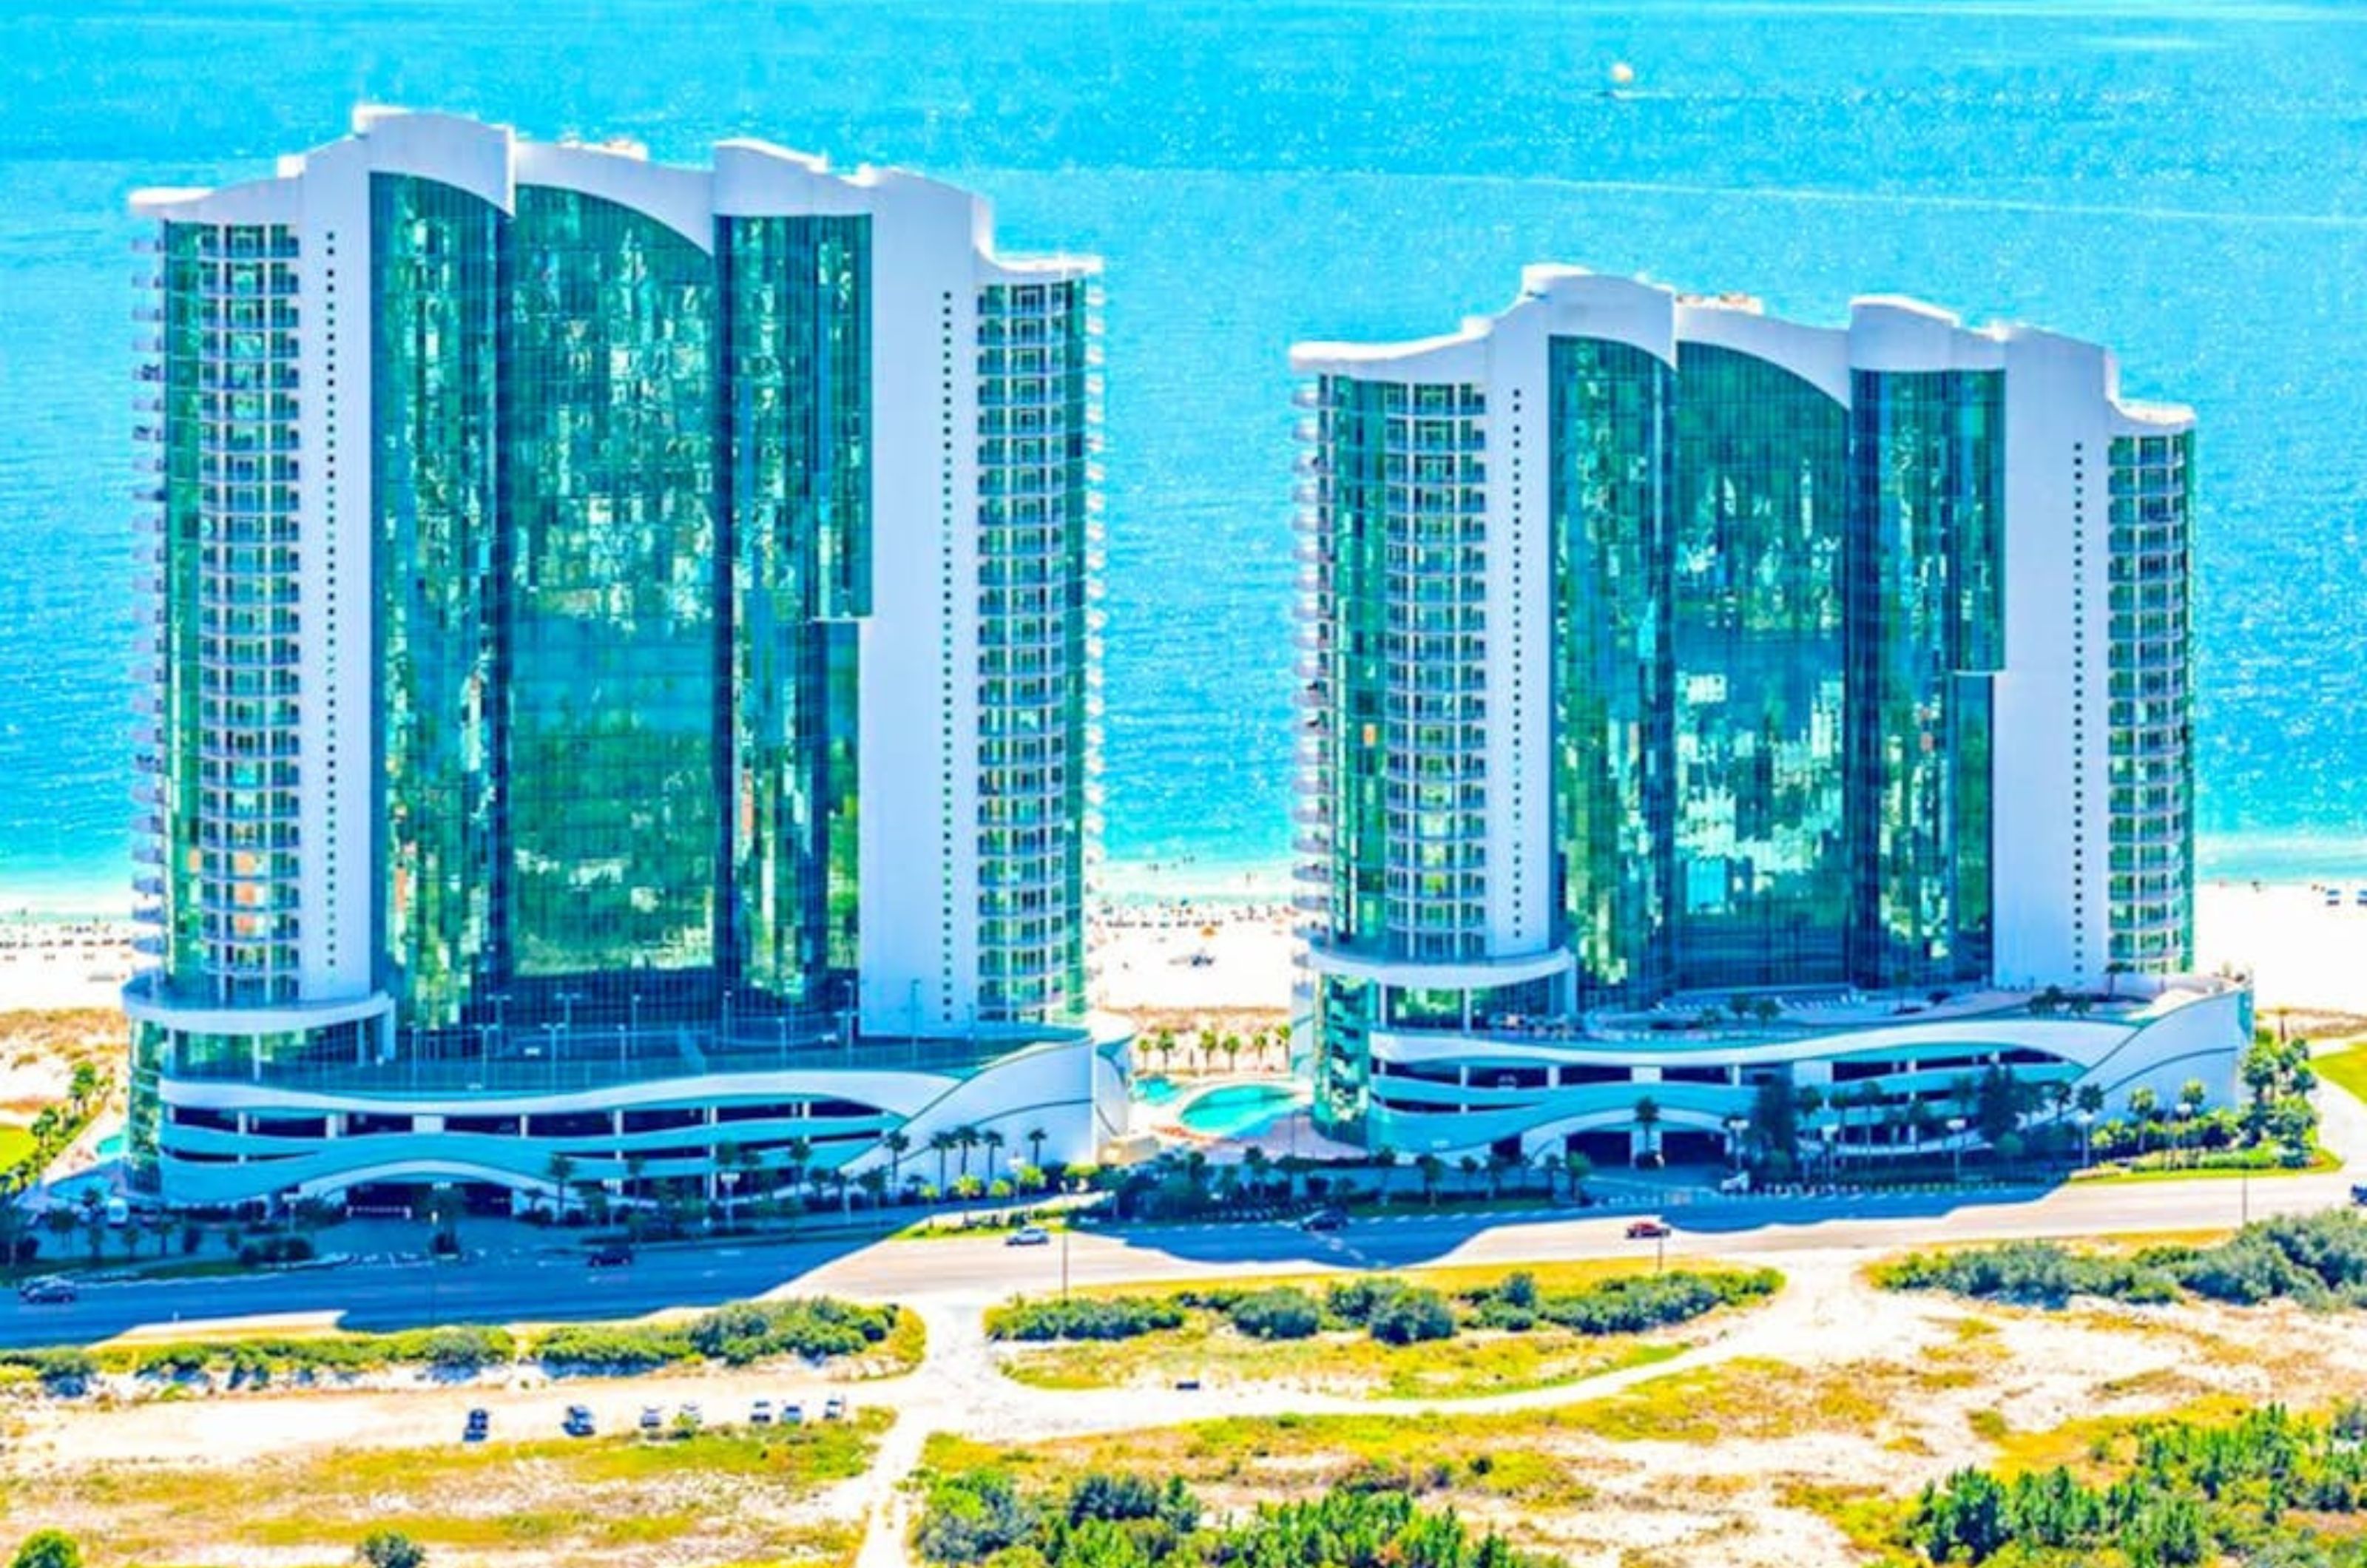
1410	1316
814	1327
2319	1259
1118	1317
1282	1313
968	1518
1636	1303
596	1346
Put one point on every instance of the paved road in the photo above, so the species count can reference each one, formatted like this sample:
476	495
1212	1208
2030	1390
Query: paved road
380	1296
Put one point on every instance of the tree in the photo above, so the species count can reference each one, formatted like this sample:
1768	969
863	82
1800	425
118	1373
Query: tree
800	1157
728	1155
1231	1046
2089	1098
561	1171
1470	1165
941	1143
83	1086
993	1140
1499	1165
1431	1167
874	1183
1036	1137
1255	1164
1578	1166
1385	1160
966	1139
2144	1106
1647	1120
390	1549
896	1143
48	1548
94	1219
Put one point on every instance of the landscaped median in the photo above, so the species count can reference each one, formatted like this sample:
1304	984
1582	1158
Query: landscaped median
852	1338
1445	1333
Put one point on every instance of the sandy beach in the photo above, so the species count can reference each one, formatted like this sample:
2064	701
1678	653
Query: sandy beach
2304	945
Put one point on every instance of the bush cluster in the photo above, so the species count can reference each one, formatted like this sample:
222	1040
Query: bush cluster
1283	1312
2191	1494
1108	1520
811	1327
275	1249
1083	1317
2319	1259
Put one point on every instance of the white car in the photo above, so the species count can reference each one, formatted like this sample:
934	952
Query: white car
1028	1236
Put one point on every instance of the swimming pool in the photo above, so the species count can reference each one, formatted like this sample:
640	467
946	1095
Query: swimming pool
1241	1111
1156	1089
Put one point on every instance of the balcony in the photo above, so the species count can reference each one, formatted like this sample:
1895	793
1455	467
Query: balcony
1307	395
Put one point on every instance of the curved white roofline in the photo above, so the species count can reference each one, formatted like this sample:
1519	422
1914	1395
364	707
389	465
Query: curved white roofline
749	177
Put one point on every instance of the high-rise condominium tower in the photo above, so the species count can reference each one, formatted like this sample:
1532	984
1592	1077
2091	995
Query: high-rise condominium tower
624	671
1661	658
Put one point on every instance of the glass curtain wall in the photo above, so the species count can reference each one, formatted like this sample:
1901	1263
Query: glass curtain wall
1925	554
1613	437
615	698
440	563
1757	586
797	326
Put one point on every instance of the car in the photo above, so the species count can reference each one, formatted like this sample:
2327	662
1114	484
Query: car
1187	1385
833	1409
1028	1236
480	1427
610	1258
578	1422
793	1415
652	1418
46	1293
1739	1182
1325	1220
689	1414
1647	1230
761	1413
2359	1192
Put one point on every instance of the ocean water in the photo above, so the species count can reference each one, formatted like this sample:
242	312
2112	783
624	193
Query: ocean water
2185	181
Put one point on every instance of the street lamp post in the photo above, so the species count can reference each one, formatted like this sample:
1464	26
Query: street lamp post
1735	1127
1064	1263
2087	1145
1956	1146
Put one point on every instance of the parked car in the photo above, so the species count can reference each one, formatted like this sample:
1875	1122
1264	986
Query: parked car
46	1293
1325	1220
480	1427
761	1413
578	1422
613	1257
688	1416
1646	1230
1739	1182
793	1415
1028	1236
2358	1195
833	1409
652	1418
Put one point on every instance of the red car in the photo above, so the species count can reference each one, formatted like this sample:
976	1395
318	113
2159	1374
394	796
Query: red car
1646	1230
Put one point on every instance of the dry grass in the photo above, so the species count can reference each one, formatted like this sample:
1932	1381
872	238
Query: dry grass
718	1498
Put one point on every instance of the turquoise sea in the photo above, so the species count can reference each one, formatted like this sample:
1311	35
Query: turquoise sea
2186	181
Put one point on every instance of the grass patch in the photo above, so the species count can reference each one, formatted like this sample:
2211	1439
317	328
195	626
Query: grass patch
2346	1069
1749	1397
719	1497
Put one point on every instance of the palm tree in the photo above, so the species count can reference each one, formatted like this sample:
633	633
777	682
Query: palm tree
1036	1137
800	1160
1385	1160
993	1140
1254	1163
1470	1165
561	1171
1499	1165
1578	1166
896	1144
941	1143
728	1155
84	1085
965	1139
1431	1167
1647	1117
2144	1106
874	1183
1231	1046
1208	1047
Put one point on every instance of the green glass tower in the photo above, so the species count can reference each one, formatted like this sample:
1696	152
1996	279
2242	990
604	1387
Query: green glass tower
626	656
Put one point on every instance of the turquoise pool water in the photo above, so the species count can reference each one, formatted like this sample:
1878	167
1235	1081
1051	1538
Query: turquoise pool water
1156	1089
110	1145
1241	1111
